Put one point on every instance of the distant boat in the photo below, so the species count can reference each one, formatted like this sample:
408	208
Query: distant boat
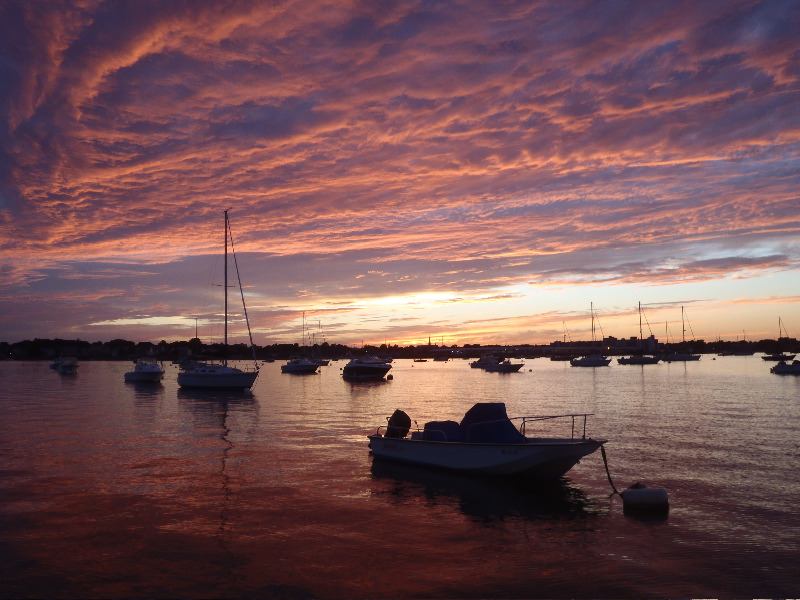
485	442
147	370
505	366
214	376
300	366
67	365
681	356
487	360
784	368
365	369
779	356
639	359
420	360
592	360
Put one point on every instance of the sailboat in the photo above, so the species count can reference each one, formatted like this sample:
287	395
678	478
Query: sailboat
592	360
777	356
681	356
639	359
216	376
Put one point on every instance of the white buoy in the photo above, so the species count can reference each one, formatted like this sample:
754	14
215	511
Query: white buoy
640	498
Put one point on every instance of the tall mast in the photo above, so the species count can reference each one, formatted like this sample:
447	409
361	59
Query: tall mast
225	285
683	326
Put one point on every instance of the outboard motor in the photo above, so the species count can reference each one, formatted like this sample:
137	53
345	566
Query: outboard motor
399	424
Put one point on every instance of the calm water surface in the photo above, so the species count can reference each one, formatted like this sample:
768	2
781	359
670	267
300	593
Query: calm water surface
119	490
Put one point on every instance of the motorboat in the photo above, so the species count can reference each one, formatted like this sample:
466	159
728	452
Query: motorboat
300	366
504	366
67	365
365	368
487	360
221	376
680	357
592	360
146	370
639	359
785	368
485	442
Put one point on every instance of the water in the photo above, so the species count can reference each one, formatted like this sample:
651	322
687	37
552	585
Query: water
119	490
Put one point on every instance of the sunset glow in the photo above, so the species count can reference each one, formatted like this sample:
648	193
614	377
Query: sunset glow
469	172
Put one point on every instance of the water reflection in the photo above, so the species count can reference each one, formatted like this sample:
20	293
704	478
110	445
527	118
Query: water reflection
484	499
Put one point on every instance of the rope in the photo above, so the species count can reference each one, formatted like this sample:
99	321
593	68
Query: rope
608	474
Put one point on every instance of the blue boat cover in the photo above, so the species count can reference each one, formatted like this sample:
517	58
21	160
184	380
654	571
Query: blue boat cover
488	423
442	431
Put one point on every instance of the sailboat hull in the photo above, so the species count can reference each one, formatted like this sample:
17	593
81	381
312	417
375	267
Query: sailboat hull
213	377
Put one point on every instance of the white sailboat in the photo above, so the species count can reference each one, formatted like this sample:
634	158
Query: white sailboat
640	358
221	376
592	360
681	356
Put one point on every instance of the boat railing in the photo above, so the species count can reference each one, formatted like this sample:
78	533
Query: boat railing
575	418
575	421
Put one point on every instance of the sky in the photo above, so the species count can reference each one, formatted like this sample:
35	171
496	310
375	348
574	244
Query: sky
464	171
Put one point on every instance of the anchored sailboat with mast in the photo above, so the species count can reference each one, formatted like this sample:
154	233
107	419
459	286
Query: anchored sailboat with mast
682	356
214	376
640	358
592	360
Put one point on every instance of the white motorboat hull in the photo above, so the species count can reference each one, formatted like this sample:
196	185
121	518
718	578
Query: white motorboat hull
541	458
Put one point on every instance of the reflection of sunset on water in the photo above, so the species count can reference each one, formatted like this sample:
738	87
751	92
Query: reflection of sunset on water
477	172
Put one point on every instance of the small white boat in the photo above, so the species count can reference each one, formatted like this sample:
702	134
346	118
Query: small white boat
146	370
67	365
592	360
365	369
505	366
785	368
300	366
485	442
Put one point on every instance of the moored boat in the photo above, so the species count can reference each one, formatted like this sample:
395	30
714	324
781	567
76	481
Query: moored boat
785	368
592	360
365	369
778	356
147	370
639	359
485	442
67	365
214	376
300	366
505	366
484	361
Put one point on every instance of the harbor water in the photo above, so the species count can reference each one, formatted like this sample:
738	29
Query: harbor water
124	490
